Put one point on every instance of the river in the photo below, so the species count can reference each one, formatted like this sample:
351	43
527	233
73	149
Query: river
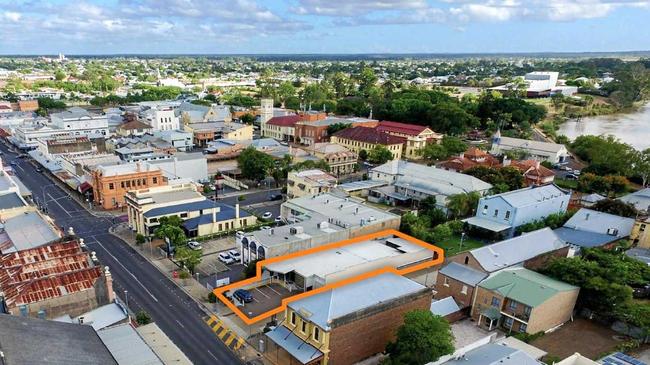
633	129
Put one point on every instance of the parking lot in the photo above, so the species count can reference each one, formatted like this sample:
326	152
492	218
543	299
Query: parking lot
265	298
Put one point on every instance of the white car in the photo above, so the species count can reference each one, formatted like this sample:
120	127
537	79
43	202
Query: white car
278	219
234	254
576	172
239	234
194	245
225	258
264	228
267	215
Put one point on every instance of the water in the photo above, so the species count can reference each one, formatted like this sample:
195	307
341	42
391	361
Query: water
633	129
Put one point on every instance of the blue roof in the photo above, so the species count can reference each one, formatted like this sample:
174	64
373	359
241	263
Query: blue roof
619	358
462	273
178	208
444	306
298	348
584	238
227	212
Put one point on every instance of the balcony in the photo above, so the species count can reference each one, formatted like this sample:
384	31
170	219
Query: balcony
520	316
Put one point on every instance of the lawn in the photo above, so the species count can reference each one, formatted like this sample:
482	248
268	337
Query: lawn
566	184
452	245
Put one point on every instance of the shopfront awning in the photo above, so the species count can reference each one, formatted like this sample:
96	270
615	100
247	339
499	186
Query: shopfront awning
299	349
487	224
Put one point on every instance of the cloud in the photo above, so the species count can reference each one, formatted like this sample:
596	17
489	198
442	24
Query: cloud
12	16
353	8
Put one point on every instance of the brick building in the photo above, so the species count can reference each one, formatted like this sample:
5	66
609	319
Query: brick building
458	281
311	132
284	127
340	160
357	139
53	280
521	300
347	324
417	136
110	183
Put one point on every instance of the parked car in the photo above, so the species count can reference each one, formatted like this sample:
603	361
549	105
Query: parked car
38	169
264	228
576	172
239	234
267	215
243	295
13	163
225	258
275	197
571	177
565	168
235	255
194	245
278	219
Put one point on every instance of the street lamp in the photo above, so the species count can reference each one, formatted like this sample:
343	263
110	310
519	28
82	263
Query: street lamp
128	313
462	237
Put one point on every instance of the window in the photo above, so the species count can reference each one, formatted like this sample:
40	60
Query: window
304	327
485	209
122	184
446	283
464	290
512	305
155	180
496	212
642	228
507	215
111	186
496	302
316	334
183	215
527	310
293	318
466	260
508	322
522	327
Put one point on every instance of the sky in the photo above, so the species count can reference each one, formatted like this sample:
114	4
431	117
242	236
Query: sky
322	26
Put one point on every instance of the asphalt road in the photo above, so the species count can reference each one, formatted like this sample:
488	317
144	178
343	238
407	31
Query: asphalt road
174	311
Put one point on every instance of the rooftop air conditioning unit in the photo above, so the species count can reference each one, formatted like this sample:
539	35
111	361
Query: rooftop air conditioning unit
296	230
612	231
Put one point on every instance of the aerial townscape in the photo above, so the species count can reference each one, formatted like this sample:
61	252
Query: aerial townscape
312	182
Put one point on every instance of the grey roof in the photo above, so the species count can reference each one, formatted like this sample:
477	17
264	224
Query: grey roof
185	207
641	254
10	201
599	222
463	273
488	224
640	199
432	178
494	354
444	306
360	185
531	145
584	238
338	302
29	341
127	347
592	198
298	348
531	195
516	250
226	213
103	316
28	230
72	113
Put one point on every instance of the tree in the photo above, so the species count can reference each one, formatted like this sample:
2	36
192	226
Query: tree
188	257
175	235
285	91
606	155
333	128
247	118
363	155
139	239
59	75
435	152
366	79
616	207
250	270
142	318
254	164
441	232
642	166
453	145
423	338
463	204
380	155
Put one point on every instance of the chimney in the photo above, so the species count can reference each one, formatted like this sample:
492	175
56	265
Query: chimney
110	294
214	215
236	215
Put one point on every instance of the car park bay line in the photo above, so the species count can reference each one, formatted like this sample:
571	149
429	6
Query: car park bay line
220	292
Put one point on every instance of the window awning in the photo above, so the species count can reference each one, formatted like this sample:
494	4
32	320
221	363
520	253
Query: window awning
487	224
294	345
492	313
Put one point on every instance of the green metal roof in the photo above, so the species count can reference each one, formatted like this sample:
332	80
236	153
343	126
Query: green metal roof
525	286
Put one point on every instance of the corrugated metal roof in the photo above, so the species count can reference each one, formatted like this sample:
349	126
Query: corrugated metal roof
444	306
493	354
127	347
299	349
599	222
462	273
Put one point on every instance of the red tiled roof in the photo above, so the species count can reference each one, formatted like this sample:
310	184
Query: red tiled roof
134	124
396	127
45	272
369	135
285	121
474	152
532	168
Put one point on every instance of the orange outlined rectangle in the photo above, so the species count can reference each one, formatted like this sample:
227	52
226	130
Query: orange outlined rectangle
219	292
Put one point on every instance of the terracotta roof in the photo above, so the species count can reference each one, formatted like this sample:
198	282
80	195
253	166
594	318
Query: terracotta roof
532	167
45	272
457	164
285	121
369	135
475	152
396	127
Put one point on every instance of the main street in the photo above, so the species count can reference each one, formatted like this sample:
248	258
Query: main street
148	289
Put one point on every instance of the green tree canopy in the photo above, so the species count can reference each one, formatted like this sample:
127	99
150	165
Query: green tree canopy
616	207
380	155
254	165
422	338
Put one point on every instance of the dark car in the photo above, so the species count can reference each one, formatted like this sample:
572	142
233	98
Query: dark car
243	295
38	169
275	197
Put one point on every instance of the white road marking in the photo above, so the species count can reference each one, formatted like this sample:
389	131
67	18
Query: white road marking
179	323
57	203
127	270
261	292
275	291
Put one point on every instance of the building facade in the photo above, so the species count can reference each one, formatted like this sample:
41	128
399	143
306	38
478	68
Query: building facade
111	183
366	139
309	182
